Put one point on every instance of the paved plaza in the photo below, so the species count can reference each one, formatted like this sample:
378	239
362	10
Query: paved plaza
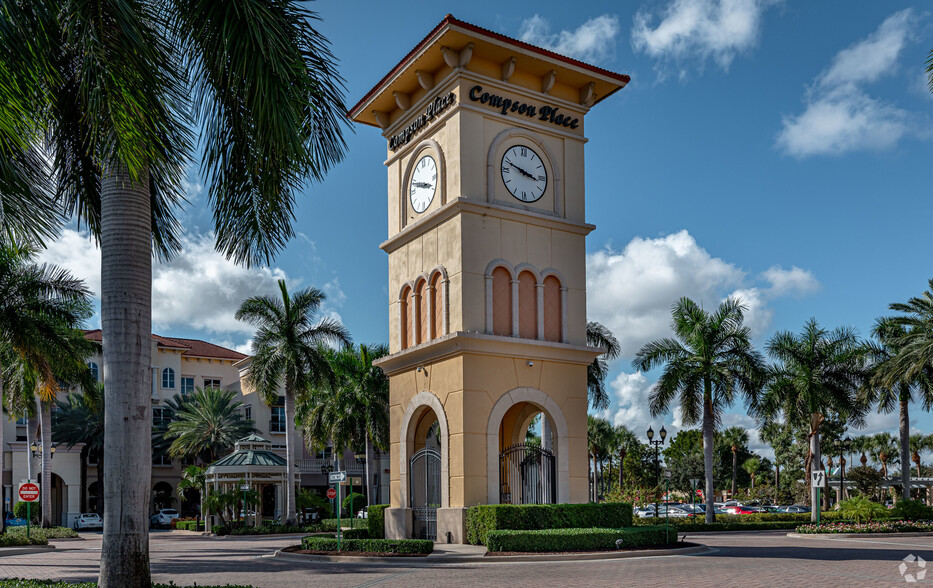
736	559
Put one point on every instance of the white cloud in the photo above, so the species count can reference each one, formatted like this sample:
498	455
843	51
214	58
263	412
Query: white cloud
199	289
631	407
593	41
840	116
700	30
632	291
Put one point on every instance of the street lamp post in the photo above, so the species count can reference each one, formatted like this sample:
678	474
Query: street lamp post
657	466
326	469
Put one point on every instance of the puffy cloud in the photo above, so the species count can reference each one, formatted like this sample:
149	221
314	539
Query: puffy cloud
702	30
840	116
631	392
199	289
593	41
792	281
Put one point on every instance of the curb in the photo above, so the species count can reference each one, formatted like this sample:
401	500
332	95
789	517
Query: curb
430	561
857	535
24	550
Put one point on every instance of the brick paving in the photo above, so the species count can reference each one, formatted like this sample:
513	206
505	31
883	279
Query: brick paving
737	559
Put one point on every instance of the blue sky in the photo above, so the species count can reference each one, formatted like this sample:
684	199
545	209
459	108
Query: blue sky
776	151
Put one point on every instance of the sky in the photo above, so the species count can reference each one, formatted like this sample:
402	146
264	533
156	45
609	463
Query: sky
776	151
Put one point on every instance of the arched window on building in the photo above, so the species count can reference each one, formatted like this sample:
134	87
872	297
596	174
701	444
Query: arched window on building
407	318
168	378
424	319
527	306
437	296
553	312
501	302
95	370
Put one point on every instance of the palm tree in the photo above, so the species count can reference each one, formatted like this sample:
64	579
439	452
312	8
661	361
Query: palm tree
751	466
890	387
120	90
709	361
288	351
352	408
193	478
81	420
623	440
598	437
599	336
918	444
819	371
736	438
861	446
884	450
208	424
914	357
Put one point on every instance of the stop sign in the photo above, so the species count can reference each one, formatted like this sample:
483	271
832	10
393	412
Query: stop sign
331	493
29	492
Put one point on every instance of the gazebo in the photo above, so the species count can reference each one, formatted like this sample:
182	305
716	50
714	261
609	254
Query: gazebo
253	463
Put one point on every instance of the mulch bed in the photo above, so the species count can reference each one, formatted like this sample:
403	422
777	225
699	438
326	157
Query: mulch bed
678	545
298	549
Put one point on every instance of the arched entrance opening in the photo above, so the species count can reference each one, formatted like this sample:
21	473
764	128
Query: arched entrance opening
191	502
527	465
268	501
162	496
424	469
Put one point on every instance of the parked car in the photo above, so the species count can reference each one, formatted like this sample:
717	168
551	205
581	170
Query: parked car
738	510
694	508
163	517
12	521
362	514
794	508
645	512
88	520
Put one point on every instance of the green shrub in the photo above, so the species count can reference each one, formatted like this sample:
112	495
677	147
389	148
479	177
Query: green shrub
861	509
528	517
376	521
912	510
356	534
220	530
35	510
353	503
16	539
50	533
353	523
400	546
577	539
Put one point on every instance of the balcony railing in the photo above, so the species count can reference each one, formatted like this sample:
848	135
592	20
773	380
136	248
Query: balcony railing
313	466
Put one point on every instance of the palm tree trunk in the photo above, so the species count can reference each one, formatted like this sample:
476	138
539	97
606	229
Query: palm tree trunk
45	416
369	480
289	516
126	321
815	420
735	458
3	456
708	429
905	449
777	482
32	427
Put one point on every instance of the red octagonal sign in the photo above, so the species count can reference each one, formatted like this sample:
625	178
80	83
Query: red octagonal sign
29	492
331	493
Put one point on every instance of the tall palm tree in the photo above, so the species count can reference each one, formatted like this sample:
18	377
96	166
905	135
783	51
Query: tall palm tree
599	336
710	360
288	354
751	466
861	445
208	424
889	387
818	372
598	437
914	357
352	408
735	438
623	440
120	90
918	444
884	450
80	419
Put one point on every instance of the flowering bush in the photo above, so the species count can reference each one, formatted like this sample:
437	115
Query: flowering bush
869	527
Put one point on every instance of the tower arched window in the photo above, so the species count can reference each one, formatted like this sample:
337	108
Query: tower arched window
553	309
424	319
501	302
407	319
95	370
527	306
437	297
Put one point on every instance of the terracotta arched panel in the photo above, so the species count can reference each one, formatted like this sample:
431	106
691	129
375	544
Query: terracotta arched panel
527	306
501	302
552	309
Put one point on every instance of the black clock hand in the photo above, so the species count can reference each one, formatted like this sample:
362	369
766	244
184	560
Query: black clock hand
523	172
421	184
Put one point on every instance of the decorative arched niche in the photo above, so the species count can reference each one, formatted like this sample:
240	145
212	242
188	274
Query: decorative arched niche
422	403
425	147
493	162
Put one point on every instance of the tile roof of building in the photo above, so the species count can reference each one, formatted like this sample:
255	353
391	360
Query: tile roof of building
190	347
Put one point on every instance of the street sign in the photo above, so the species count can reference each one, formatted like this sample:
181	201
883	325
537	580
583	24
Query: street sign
667	474
29	492
331	493
818	478
335	477
244	487
694	482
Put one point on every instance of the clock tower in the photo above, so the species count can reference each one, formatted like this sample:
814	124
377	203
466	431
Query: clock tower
487	284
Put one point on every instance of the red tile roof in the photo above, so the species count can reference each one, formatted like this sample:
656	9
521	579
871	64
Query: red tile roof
191	347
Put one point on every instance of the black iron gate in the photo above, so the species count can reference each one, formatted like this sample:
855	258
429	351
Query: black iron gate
526	475
424	474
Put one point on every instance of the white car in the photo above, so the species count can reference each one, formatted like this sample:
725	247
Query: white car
88	520
163	517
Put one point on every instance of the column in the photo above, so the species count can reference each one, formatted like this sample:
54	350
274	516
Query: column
515	328
416	319
563	314
489	325
539	291
445	314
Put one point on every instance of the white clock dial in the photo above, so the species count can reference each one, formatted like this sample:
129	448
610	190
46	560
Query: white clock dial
423	184
524	173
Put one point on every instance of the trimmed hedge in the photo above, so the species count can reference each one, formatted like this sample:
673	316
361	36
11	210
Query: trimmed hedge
773	517
189	525
400	546
577	539
15	540
700	526
528	517
353	523
356	534
50	533
376	520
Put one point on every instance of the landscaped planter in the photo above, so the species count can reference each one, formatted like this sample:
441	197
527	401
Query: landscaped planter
868	527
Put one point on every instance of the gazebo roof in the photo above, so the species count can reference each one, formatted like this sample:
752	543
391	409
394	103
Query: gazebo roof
250	451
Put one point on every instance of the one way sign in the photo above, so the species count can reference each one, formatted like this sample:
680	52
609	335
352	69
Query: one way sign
818	478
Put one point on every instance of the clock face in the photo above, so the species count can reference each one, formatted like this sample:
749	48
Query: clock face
524	173
423	184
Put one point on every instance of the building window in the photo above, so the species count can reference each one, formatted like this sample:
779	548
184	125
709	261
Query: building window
527	306
407	326
95	371
248	413
161	417
187	386
168	378
211	383
501	302
161	459
553	311
277	423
